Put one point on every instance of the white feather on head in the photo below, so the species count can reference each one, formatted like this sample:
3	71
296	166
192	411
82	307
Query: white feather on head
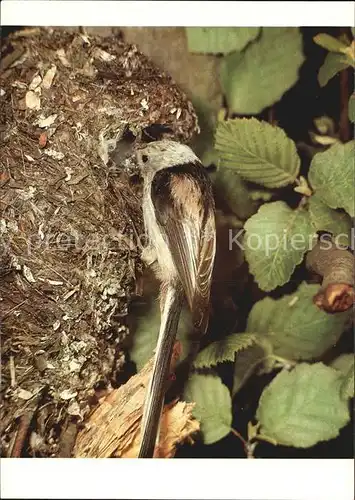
164	154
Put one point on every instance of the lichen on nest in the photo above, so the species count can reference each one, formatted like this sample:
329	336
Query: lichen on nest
68	221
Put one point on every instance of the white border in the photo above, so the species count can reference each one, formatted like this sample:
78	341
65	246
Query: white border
175	13
174	479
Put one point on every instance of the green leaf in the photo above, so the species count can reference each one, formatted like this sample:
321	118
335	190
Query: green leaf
219	40
213	406
345	364
275	241
249	359
207	117
325	125
353	31
261	194
329	42
303	407
258	77
347	387
257	151
209	156
234	191
332	65
336	222
351	108
146	330
296	327
331	175
224	350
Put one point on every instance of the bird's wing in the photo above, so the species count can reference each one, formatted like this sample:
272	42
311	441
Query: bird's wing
184	208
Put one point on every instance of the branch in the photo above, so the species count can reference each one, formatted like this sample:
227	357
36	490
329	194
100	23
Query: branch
336	266
21	435
113	429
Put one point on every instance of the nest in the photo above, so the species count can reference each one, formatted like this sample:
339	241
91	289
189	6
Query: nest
68	255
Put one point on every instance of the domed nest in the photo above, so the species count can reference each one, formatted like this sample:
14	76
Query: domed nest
69	222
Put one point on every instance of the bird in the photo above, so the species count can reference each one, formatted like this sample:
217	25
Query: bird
179	220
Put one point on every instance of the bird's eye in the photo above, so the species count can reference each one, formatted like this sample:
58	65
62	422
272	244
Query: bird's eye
144	158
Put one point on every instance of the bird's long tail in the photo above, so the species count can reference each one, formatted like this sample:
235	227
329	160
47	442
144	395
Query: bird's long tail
156	390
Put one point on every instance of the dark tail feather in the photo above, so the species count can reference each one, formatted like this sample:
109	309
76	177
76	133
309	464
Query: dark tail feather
156	389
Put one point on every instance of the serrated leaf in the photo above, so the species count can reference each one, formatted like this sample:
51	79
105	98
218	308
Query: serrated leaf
145	334
234	191
275	241
223	350
347	386
336	222
257	151
332	65
251	80
343	362
296	327
329	42
345	365
248	360
219	40
213	406
351	108
331	175
324	140
303	407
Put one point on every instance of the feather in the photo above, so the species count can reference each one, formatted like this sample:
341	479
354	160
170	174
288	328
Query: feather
156	390
184	209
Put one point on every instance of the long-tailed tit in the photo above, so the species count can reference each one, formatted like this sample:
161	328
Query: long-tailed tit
179	218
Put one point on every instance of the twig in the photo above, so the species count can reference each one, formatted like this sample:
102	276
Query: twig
344	124
11	58
239	436
272	116
12	371
249	446
26	32
336	266
22	431
67	440
14	308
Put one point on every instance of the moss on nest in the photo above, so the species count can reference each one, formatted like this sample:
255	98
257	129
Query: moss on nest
68	261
